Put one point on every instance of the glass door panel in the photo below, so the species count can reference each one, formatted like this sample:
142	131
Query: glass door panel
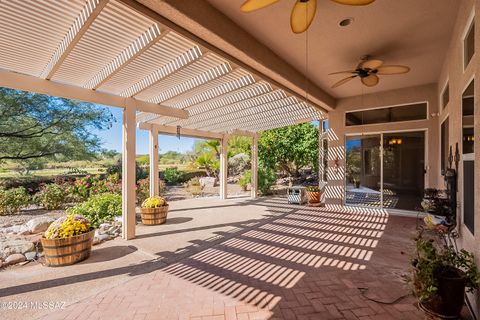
403	169
362	169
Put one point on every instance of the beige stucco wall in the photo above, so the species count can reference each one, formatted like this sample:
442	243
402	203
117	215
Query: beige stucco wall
338	131
458	78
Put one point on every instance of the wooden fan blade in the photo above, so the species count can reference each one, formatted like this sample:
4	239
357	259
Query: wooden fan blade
372	64
388	70
302	15
342	72
371	80
354	2
252	5
339	83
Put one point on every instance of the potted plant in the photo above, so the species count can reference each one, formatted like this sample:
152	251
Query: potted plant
67	240
154	211
437	207
313	194
441	276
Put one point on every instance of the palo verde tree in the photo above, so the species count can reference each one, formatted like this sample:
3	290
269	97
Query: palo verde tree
289	148
36	126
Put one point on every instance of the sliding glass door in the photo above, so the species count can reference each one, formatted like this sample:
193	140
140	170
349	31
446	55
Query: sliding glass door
393	178
403	170
363	167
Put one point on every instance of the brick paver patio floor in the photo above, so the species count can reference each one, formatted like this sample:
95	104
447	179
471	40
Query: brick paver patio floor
296	263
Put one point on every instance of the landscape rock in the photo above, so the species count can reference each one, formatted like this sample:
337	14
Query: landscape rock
24	230
12	229
103	237
14	246
1	263
30	256
15	258
208	182
40	224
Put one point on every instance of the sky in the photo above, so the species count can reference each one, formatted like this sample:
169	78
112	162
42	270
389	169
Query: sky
112	138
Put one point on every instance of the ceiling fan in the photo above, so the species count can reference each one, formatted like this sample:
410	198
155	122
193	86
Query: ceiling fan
303	11
368	71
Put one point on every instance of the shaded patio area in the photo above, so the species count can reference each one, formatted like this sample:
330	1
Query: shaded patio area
239	259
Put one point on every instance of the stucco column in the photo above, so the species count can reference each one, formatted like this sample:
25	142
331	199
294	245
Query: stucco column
128	170
223	167
254	170
153	138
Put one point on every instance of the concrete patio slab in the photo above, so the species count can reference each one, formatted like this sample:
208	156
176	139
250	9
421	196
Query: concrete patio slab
235	259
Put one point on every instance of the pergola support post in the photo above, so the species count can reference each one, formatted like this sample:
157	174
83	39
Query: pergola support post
254	162
153	137
223	167
322	184
128	170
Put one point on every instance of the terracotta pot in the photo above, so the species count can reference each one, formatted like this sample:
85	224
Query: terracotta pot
154	216
67	251
313	196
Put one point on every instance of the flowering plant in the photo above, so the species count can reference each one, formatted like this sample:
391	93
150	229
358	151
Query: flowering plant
84	188
154	202
68	226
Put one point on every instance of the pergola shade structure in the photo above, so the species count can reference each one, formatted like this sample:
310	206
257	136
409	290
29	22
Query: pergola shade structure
110	52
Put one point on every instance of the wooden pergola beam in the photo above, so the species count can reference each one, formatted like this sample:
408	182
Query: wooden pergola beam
317	97
181	62
23	82
87	16
138	47
184	132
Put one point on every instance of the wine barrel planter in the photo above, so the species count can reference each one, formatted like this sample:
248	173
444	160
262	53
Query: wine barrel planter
67	251
313	196
154	216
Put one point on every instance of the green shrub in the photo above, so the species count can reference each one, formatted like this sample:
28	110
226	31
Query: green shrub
12	200
83	188
193	186
186	176
140	173
172	175
266	179
51	196
100	208
245	179
143	189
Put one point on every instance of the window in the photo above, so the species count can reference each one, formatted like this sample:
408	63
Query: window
325	125
468	105
445	96
469	45
469	195
444	146
384	115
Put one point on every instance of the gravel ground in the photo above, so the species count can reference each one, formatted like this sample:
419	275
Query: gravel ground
27	214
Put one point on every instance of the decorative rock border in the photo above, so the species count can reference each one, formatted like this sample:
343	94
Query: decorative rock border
19	243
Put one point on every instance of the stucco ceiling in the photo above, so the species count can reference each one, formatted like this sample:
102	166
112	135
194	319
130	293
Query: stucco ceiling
416	33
